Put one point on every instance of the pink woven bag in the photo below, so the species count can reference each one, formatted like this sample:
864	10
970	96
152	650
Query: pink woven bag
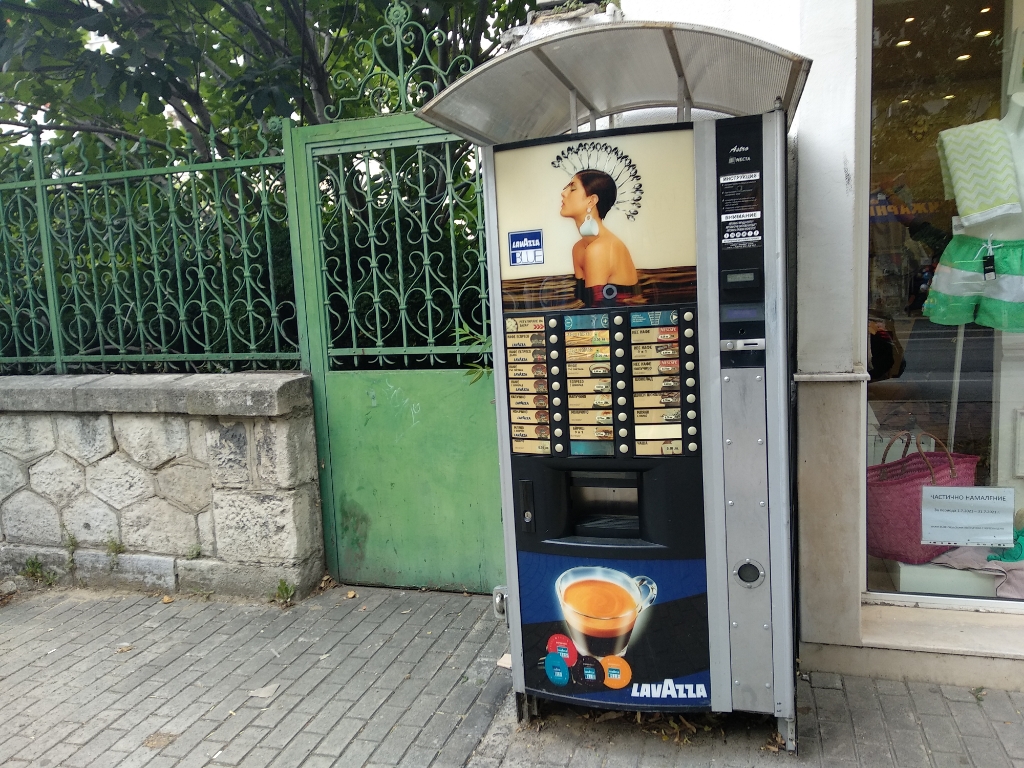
894	498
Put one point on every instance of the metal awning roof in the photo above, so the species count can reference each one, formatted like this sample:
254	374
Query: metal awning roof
603	69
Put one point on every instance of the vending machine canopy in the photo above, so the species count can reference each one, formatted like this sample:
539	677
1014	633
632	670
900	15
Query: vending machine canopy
542	88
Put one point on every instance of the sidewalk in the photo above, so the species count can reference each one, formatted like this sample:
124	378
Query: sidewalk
401	678
390	677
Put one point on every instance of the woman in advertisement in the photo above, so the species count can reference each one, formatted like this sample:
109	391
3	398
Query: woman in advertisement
603	267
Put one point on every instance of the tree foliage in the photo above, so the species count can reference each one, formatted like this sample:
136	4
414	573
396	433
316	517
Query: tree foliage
118	68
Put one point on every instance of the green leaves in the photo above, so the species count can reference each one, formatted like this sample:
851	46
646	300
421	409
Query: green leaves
208	64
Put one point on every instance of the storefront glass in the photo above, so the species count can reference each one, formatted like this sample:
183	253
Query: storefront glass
945	432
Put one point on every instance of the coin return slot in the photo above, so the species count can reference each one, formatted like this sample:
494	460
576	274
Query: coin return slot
605	505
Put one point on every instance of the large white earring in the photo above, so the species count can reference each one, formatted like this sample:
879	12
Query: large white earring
589	227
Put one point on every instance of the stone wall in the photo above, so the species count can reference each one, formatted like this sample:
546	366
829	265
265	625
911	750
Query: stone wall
202	483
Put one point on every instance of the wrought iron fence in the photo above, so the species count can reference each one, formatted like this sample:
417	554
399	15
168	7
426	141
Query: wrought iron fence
405	271
141	259
138	257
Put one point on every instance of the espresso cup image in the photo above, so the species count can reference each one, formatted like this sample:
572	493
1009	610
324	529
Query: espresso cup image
600	607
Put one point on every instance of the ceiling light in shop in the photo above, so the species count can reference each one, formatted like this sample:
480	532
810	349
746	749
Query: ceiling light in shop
904	101
902	43
950	96
985	10
908	19
965	57
983	33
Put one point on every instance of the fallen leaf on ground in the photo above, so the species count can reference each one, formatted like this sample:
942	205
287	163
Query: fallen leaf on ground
350	594
361	609
265	692
775	742
125	648
167	599
608	716
159	740
409	611
324	656
687	724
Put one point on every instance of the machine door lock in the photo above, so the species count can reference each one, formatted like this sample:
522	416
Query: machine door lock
524	490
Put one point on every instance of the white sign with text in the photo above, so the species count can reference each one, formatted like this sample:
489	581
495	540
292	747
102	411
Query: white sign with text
967	516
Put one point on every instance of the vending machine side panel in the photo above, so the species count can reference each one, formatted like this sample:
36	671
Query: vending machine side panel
777	394
711	414
513	613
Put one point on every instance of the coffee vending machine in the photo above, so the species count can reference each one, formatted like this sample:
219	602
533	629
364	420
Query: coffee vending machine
638	299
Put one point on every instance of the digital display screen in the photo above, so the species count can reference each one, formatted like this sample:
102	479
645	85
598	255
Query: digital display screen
741	277
738	313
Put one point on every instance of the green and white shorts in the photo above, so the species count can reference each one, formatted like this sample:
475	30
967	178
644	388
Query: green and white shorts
960	293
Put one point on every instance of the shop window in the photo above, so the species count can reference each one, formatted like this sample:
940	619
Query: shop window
945	432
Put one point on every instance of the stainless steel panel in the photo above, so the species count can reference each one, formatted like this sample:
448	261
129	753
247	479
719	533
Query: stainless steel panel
745	464
711	416
512	608
777	390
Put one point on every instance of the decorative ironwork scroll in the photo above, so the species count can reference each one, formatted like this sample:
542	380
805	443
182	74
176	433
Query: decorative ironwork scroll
144	261
403	67
402	238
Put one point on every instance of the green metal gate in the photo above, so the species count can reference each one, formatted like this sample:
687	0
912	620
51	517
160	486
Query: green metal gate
387	226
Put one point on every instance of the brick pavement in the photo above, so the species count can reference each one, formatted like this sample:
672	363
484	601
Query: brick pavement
391	678
401	678
844	722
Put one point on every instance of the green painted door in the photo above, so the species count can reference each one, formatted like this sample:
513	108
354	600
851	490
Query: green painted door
387	225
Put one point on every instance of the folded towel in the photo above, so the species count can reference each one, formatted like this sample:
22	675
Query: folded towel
978	171
1009	576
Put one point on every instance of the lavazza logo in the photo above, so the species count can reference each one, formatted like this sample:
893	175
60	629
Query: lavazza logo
526	242
668	690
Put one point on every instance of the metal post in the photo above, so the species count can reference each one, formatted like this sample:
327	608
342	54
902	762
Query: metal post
46	247
574	112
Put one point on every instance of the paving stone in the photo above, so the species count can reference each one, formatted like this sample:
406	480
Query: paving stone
928	698
998	706
970	718
940	733
826	680
950	760
910	750
986	752
1012	738
873	754
891	687
956	693
831	704
898	713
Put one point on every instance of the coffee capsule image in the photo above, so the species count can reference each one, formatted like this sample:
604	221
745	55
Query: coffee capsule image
617	672
542	432
587	673
564	647
556	669
540	401
600	607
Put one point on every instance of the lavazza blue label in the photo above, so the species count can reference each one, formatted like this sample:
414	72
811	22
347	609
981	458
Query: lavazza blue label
526	247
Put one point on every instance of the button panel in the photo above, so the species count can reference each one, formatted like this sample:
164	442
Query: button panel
528	391
618	382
